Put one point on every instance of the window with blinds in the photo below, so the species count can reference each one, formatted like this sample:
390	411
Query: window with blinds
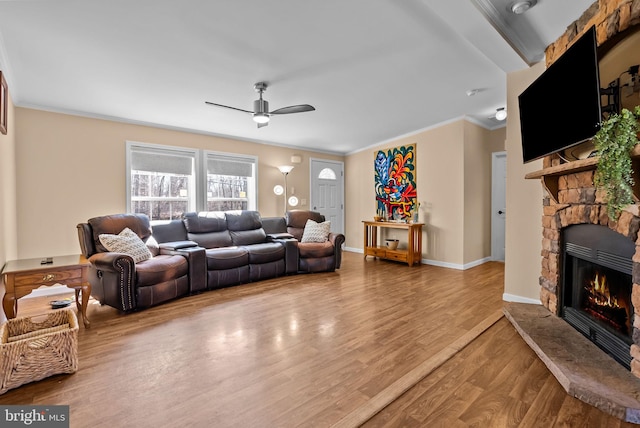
231	182
163	182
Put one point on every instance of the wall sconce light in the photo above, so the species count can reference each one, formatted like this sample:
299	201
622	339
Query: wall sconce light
285	170
501	114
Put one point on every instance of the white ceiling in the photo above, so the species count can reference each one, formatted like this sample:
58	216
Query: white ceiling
373	69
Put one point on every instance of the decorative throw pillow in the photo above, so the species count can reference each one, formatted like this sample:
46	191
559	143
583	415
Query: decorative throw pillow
126	242
316	232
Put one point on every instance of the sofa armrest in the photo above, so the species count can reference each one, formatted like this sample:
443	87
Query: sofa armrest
281	235
337	239
196	257
116	274
291	253
112	262
177	245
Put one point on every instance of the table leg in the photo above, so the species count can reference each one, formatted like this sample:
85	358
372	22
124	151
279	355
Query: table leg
82	308
412	250
10	305
366	240
419	248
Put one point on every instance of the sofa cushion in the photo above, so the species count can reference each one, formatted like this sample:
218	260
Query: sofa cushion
208	229
227	258
316	232
212	239
115	223
168	230
297	219
243	220
274	225
265	253
160	269
245	227
204	222
248	237
126	242
311	250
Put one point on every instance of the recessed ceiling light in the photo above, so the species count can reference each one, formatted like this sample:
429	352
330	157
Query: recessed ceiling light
521	7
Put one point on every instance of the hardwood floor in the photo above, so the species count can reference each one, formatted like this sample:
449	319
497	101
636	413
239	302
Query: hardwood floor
312	350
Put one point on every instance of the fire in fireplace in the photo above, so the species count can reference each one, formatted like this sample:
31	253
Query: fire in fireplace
606	305
596	287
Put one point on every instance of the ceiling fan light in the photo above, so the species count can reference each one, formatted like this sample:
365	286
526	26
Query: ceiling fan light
501	114
261	117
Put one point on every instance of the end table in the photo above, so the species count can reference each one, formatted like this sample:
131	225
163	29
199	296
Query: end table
23	276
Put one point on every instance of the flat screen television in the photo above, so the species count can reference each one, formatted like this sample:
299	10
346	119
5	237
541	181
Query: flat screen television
561	108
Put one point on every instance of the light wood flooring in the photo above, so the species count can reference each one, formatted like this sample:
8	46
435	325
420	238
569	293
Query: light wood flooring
314	350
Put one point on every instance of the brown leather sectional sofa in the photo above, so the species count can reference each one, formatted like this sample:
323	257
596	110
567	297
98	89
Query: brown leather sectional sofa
202	251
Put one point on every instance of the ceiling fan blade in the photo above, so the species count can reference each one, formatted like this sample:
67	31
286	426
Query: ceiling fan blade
261	125
293	109
233	108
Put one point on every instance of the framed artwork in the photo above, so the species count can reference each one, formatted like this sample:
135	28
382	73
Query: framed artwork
4	104
395	181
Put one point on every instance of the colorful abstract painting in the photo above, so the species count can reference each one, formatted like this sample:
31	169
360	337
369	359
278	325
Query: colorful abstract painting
395	180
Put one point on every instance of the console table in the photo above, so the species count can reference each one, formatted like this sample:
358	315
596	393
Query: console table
23	276
413	253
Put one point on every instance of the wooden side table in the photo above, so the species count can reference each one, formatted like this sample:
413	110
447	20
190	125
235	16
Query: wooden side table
23	276
411	255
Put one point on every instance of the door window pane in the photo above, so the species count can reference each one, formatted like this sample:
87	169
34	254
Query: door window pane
327	174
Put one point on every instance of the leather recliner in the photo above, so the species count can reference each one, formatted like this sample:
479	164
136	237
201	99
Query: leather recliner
116	280
314	256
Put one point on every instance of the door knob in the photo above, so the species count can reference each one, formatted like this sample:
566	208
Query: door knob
502	212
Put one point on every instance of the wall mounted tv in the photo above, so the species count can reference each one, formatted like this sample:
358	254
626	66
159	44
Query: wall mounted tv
561	108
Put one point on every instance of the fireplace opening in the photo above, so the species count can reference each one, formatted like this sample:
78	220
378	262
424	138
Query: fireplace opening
596	287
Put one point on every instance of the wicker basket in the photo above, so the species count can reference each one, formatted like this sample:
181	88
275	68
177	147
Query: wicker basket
31	351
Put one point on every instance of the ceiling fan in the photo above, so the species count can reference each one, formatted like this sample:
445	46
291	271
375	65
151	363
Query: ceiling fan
261	113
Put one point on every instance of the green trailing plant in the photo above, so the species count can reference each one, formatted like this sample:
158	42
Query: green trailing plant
615	139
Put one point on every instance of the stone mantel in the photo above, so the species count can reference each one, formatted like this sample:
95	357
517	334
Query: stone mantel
552	174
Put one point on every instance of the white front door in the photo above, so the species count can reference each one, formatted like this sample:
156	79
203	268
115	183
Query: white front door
498	204
327	190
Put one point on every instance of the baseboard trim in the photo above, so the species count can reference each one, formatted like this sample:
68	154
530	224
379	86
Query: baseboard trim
477	263
519	299
456	265
436	262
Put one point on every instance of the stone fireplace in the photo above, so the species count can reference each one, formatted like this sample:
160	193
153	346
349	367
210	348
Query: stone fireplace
581	246
586	256
590	273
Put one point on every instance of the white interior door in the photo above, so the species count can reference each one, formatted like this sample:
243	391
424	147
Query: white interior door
327	190
498	204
